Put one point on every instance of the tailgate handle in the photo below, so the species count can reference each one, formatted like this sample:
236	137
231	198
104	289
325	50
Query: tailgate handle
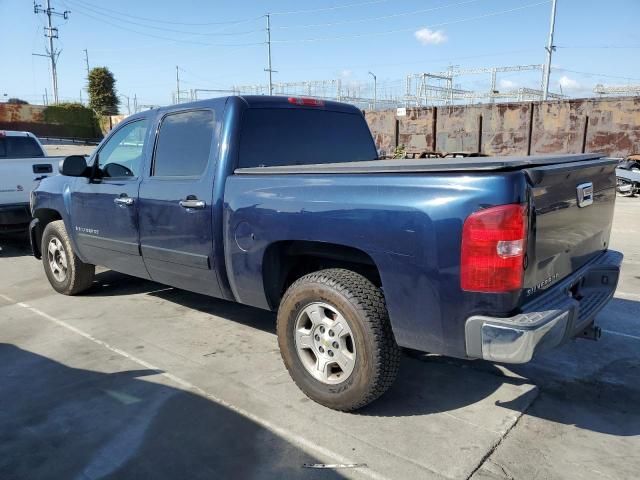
585	194
42	168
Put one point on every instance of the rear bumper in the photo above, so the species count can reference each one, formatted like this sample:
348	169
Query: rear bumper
14	216
558	315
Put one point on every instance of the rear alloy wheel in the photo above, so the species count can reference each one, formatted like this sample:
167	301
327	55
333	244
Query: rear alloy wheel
324	343
336	340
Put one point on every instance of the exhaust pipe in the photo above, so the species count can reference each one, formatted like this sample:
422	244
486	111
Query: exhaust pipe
592	332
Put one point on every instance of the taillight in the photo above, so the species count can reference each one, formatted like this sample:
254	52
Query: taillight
494	243
307	102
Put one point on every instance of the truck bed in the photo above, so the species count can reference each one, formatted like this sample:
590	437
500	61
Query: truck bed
423	165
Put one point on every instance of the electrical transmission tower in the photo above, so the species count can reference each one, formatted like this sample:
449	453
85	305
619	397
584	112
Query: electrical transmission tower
617	89
424	89
51	32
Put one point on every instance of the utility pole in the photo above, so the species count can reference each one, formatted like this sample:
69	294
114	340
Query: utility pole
549	48
128	103
86	59
135	103
177	84
51	32
375	89
270	70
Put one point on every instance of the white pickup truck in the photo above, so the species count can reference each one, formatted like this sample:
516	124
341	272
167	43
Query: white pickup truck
22	165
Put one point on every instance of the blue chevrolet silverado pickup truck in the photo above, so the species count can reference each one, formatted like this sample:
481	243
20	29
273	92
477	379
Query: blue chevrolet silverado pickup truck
281	203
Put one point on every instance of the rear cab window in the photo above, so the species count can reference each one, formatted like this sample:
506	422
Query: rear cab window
19	147
303	136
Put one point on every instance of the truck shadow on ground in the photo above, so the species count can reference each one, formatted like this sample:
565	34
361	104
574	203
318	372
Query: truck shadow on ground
63	422
14	245
430	384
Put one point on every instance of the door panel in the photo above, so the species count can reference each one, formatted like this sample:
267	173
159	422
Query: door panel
107	233
176	228
104	211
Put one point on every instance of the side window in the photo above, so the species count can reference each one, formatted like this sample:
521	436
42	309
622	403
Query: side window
121	156
184	144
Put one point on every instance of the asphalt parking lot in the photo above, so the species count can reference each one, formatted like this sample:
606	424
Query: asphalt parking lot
138	380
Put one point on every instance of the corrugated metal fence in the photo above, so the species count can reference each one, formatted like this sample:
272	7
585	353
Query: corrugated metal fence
607	125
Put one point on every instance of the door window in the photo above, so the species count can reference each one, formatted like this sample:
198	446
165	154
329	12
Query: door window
121	156
184	144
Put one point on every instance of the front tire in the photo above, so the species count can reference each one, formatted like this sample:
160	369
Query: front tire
67	274
336	340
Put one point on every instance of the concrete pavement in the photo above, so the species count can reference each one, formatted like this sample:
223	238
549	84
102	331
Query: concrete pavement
135	379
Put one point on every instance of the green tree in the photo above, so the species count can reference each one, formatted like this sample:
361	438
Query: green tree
102	91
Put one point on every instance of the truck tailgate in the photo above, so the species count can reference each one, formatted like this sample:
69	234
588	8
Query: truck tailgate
572	213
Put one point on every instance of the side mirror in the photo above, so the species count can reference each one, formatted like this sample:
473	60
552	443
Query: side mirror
74	166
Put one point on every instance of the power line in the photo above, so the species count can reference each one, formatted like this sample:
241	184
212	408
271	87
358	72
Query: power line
171	22
403	30
99	11
171	40
598	46
384	17
604	75
327	9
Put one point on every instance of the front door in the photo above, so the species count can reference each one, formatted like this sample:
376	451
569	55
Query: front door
104	211
176	233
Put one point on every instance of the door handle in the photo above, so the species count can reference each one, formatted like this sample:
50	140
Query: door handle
192	202
123	201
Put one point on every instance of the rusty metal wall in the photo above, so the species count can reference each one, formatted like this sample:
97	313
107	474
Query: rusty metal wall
41	121
16	113
607	125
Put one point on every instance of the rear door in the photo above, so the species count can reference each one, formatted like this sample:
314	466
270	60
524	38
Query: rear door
104	211
176	234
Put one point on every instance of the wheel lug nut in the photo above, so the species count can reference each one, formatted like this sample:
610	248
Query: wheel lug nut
317	337
336	345
331	334
321	329
321	349
330	353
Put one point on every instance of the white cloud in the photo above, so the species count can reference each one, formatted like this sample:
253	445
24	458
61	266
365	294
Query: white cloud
507	83
569	83
430	37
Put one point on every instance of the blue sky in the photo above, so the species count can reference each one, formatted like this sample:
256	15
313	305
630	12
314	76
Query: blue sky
219	44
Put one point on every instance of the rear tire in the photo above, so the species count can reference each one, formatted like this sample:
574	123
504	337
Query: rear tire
336	340
67	274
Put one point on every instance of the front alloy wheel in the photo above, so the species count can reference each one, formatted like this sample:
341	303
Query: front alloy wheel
67	274
57	259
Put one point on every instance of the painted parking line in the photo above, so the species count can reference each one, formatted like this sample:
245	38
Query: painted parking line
284	433
620	334
627	295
